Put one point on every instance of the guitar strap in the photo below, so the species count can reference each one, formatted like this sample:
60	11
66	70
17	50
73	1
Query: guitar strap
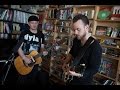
76	61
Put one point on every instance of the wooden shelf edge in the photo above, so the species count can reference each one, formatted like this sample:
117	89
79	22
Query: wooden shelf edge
105	76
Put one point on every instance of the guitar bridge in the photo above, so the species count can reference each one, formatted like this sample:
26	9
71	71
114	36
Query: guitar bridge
33	60
32	63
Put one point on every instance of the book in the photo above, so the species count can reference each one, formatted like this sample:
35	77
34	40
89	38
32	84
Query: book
115	13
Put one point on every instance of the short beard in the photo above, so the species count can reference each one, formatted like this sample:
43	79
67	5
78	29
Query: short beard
80	38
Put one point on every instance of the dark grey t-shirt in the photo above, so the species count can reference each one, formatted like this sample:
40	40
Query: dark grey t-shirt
31	41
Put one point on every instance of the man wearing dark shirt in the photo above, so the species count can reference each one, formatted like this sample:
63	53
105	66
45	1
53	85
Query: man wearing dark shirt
92	56
32	39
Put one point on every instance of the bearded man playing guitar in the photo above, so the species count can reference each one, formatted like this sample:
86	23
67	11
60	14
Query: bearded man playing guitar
90	59
32	43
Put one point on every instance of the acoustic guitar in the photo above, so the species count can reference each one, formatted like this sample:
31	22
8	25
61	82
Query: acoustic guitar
25	69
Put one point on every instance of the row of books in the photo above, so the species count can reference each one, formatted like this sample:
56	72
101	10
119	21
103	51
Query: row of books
7	27
88	13
60	28
106	67
26	8
52	13
105	82
63	30
48	26
63	14
14	15
65	6
108	31
111	42
111	52
63	23
114	15
6	14
58	55
108	82
47	35
8	36
43	7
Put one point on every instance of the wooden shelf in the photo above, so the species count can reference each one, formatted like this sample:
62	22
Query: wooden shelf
99	20
107	23
48	30
68	20
16	32
62	34
47	9
106	5
63	8
51	18
64	26
106	37
105	76
110	47
98	83
111	57
95	23
12	21
85	6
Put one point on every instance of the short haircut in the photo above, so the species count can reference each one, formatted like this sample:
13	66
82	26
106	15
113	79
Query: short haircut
33	18
81	17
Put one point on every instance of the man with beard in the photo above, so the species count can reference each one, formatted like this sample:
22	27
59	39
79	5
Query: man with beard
92	56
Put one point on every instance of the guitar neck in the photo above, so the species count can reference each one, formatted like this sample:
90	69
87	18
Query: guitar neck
40	54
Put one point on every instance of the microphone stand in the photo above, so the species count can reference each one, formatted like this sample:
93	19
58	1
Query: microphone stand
10	59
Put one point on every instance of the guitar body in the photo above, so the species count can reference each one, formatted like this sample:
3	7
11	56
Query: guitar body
22	68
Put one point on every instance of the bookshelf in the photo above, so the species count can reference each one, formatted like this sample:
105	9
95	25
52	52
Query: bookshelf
55	23
12	21
89	11
109	41
48	28
62	38
106	30
61	18
56	28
